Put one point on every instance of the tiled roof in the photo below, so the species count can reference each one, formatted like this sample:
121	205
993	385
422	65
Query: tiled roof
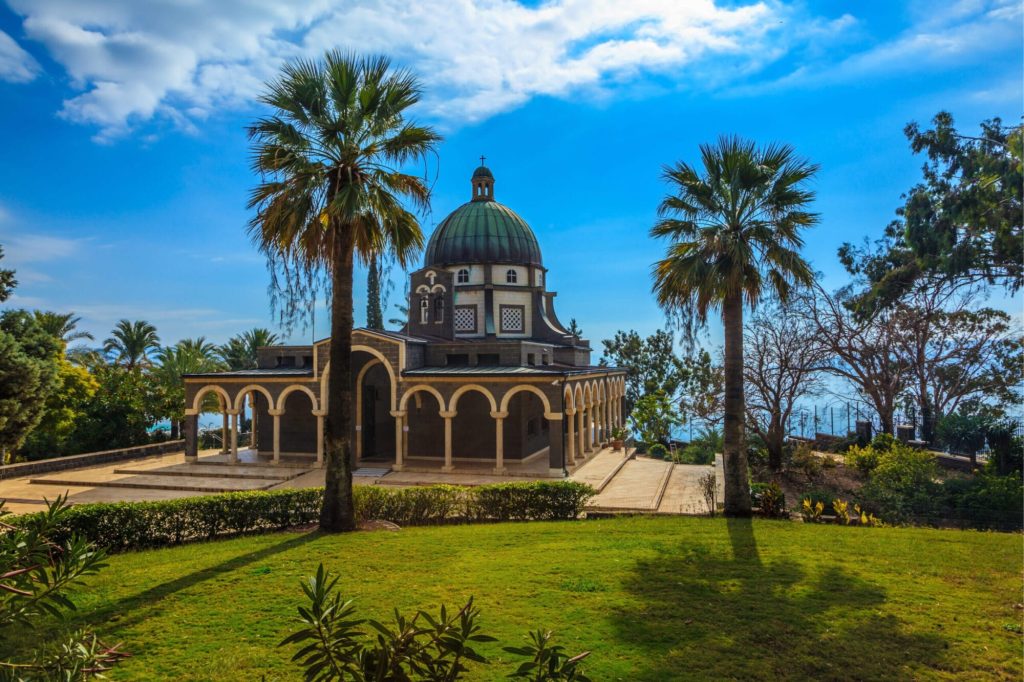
482	232
496	370
270	372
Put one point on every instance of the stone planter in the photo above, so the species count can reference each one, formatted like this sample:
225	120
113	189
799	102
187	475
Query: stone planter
618	444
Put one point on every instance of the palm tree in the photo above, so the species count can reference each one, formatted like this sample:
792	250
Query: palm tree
330	155
240	350
188	356
63	326
735	232
131	343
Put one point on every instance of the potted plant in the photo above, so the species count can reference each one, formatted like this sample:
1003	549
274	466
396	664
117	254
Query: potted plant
618	438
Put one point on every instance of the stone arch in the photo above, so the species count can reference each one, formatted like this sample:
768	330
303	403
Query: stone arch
198	400
472	387
418	388
240	396
588	396
505	399
375	353
292	389
568	398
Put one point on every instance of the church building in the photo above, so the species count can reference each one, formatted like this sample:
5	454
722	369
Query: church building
482	378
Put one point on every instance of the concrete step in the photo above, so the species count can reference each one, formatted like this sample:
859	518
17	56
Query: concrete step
683	494
197	485
637	486
204	471
602	468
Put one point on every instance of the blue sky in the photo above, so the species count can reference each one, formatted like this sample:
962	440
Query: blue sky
125	163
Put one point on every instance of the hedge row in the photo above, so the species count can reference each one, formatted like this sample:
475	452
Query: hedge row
122	526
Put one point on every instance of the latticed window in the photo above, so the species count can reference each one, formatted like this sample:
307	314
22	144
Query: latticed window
465	318
511	277
512	318
462	277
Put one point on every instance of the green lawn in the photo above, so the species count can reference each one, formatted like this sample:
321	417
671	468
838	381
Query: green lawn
653	598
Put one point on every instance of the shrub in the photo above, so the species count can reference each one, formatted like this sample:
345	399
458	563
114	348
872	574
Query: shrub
864	459
985	501
806	461
334	643
36	571
902	485
658	450
122	526
770	499
816	495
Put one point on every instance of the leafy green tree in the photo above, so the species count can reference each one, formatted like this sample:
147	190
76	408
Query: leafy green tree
575	330
330	154
735	233
7	280
653	418
188	356
651	364
964	221
126	404
63	407
131	343
63	326
28	372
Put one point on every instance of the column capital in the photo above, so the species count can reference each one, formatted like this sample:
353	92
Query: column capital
319	413
448	415
397	413
275	413
553	416
189	412
570	411
232	413
499	415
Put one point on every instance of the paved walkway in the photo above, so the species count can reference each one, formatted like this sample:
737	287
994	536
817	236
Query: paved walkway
623	483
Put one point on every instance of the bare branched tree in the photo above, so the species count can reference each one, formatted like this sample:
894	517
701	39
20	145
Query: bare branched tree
783	365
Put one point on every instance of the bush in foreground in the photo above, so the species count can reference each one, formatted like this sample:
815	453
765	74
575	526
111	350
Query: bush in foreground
334	643
122	526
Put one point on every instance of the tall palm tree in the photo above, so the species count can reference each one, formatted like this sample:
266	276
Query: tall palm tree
131	343
330	156
735	232
240	350
188	356
63	326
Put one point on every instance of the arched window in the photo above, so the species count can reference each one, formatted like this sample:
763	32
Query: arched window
424	310
462	277
439	309
511	277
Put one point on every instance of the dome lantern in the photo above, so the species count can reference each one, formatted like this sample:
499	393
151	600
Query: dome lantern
483	182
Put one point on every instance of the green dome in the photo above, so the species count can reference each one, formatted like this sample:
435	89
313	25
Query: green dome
482	232
483	172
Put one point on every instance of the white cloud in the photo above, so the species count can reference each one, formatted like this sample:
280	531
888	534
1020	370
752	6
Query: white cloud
968	31
131	62
38	248
16	65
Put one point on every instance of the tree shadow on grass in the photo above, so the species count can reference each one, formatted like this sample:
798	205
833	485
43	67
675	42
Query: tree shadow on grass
708	611
135	608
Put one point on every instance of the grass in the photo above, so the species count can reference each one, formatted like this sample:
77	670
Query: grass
653	598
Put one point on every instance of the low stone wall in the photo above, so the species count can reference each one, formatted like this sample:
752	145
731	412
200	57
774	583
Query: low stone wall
89	459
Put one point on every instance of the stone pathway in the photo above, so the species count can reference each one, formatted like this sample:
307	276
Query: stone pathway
601	468
683	494
638	486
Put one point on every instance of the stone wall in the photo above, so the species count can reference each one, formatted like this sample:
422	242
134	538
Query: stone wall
89	459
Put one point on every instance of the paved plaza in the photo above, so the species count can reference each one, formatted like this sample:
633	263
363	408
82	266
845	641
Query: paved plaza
624	483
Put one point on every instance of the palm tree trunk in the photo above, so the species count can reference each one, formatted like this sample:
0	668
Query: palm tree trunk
734	451
338	513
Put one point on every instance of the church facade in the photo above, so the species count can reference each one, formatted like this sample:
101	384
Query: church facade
483	376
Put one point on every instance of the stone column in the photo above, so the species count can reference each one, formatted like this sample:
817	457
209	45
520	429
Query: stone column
254	441
556	465
448	416
225	434
499	441
233	455
581	451
191	434
399	416
276	414
319	438
570	455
